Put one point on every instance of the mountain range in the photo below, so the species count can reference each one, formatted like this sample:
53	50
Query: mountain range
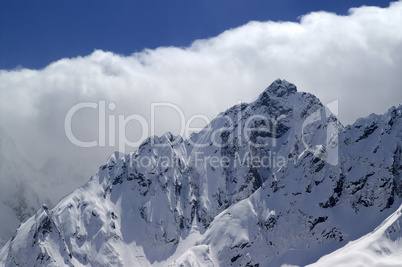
275	182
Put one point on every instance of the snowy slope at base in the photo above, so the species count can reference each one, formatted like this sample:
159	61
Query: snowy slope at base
380	248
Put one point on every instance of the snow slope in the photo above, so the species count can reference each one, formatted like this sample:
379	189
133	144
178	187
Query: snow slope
382	247
276	181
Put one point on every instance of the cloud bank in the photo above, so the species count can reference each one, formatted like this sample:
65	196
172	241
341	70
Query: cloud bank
355	59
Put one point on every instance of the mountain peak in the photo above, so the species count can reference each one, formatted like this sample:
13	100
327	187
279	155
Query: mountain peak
281	88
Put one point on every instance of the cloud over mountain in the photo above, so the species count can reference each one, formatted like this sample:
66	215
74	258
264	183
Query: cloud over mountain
356	59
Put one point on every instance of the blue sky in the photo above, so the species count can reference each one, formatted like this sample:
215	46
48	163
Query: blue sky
36	33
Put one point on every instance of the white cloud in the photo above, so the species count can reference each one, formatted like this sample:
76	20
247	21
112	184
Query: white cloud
356	59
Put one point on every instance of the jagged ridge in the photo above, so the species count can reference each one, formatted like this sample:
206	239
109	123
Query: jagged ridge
139	208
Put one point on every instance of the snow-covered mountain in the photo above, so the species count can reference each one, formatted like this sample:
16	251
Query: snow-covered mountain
276	181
